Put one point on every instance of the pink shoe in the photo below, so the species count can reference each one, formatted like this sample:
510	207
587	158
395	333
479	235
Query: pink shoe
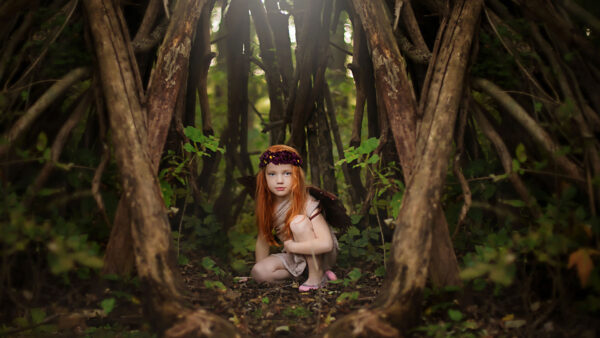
330	275
308	287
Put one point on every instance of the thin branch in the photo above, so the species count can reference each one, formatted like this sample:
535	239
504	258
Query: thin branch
537	132
58	145
49	43
506	160
458	171
583	14
340	48
517	59
53	93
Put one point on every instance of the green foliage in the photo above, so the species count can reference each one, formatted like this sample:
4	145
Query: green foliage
297	311
61	242
108	305
199	143
210	265
356	244
351	279
347	296
32	323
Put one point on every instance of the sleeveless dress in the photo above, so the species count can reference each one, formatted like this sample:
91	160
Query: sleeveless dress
295	263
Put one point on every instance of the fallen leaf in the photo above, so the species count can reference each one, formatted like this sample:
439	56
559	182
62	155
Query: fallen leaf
581	259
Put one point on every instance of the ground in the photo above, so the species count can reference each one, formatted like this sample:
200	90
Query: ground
280	310
112	308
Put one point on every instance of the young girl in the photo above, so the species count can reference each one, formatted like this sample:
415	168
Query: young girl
286	209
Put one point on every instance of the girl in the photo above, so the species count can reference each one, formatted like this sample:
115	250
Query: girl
286	209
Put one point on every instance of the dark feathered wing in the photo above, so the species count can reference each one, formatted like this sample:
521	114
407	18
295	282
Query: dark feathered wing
331	206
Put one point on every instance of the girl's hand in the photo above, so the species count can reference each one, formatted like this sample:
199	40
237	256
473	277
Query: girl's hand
289	245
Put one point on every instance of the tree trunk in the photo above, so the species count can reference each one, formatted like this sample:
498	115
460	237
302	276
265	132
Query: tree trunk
303	102
391	80
411	247
272	73
237	45
165	303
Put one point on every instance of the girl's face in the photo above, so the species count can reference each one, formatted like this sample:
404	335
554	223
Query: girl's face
279	179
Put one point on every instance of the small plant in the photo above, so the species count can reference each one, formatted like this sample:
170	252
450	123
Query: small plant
210	265
297	311
351	279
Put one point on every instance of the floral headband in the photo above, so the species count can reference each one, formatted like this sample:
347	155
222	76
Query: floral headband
279	157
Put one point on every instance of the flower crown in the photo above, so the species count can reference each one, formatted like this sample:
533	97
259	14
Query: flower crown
279	157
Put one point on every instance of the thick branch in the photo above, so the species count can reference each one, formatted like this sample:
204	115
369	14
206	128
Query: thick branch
170	74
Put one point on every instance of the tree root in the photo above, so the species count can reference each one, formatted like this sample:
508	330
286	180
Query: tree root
363	323
201	323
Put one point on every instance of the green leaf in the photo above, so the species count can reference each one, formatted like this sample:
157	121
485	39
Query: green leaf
520	152
108	305
368	146
355	218
88	260
514	203
194	134
474	272
208	263
182	260
353	231
189	148
215	285
380	271
355	274
347	296
42	142
37	315
455	315
515	165
373	159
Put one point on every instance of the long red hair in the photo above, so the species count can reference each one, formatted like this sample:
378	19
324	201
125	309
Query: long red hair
264	199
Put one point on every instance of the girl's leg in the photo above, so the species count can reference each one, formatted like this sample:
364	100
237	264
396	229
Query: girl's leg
269	269
303	231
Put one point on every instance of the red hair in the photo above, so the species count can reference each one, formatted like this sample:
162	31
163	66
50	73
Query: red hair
264	199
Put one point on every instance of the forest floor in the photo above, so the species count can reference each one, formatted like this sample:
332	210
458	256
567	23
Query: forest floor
279	310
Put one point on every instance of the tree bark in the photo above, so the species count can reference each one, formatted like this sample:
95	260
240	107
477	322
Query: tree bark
170	74
281	35
237	45
411	247
303	102
165	303
391	80
166	82
272	73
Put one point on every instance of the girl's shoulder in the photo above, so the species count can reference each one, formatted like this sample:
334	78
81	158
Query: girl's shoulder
311	204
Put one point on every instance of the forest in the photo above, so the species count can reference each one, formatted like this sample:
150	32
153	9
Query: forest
460	136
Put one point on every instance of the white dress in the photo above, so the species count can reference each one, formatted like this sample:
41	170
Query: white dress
295	263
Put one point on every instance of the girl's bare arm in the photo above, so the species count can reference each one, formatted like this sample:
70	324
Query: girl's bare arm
321	243
262	248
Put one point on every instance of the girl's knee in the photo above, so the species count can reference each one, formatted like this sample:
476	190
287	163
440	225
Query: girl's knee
258	273
300	224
